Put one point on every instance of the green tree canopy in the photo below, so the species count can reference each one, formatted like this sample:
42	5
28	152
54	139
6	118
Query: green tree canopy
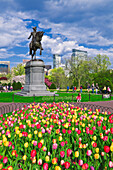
58	77
19	70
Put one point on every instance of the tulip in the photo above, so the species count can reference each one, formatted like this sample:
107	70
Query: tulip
33	153
92	168
96	156
45	166
62	153
110	164
39	145
24	157
40	162
106	149
54	146
67	165
5	159
62	162
54	160
80	162
69	151
85	166
9	168
89	152
26	145
62	143
47	158
57	168
76	154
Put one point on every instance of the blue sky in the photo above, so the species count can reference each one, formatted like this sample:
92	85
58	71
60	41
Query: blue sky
81	24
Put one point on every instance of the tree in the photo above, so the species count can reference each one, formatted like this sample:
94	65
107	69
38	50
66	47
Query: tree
19	70
102	62
58	77
80	71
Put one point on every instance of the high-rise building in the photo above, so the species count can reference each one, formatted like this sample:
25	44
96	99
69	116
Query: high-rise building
4	67
78	55
56	60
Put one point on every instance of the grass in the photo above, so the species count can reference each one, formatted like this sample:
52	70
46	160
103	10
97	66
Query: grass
7	97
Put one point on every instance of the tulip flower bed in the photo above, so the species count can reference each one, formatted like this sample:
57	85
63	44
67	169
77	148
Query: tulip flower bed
56	136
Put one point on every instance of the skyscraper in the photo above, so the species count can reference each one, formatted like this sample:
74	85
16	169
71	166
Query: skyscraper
78	55
56	60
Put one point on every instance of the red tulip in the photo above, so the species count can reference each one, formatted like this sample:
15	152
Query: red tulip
39	145
85	166
38	126
94	144
33	153
91	132
106	149
45	166
104	127
67	165
1	157
111	130
69	151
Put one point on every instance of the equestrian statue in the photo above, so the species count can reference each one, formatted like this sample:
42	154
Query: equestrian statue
35	42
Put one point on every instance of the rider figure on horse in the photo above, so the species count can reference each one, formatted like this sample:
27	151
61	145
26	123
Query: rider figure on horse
33	34
35	42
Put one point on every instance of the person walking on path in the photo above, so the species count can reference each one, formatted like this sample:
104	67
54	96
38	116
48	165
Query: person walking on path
81	89
93	88
79	97
97	88
67	88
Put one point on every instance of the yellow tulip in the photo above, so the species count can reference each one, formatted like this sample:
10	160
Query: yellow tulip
94	138
26	145
57	168
35	132
24	157
76	154
96	156
29	136
47	158
111	147
97	150
39	134
60	138
1	165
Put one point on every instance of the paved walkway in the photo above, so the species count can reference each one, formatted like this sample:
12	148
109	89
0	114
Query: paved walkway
100	103
108	106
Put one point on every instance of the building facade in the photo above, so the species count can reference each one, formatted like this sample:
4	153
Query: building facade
56	60
4	67
78	55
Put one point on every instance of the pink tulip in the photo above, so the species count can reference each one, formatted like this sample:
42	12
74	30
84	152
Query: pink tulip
80	162
54	145
5	159
62	153
89	152
35	143
110	164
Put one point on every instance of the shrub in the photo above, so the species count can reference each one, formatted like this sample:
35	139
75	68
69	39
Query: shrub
52	86
16	86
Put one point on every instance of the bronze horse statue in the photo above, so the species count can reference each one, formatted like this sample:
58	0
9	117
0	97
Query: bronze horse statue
36	44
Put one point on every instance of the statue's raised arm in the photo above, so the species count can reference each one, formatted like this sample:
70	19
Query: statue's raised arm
35	42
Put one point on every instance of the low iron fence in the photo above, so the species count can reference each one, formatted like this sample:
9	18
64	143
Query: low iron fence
17	106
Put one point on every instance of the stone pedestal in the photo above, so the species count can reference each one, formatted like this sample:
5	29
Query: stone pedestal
34	80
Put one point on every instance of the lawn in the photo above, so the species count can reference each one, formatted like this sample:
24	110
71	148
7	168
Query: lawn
7	97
